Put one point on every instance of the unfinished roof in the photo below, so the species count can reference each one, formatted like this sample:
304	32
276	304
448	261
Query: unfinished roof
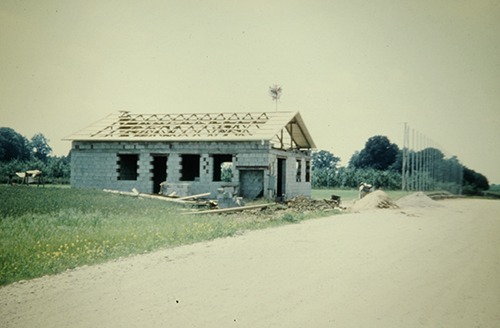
125	126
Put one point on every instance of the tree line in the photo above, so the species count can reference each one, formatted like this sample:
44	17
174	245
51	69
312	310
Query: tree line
380	163
18	154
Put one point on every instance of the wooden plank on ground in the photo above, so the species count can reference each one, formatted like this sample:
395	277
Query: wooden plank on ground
195	196
135	193
232	209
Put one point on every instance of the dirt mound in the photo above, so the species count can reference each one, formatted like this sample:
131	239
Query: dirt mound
418	199
373	200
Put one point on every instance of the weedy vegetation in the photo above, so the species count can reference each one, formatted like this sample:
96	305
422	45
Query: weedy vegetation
49	230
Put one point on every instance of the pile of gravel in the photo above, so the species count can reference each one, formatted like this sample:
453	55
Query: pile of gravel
374	200
418	199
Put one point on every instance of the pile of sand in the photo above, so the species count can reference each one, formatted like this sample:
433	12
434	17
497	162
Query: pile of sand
373	200
418	199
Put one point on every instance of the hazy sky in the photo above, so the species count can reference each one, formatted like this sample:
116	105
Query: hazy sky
353	68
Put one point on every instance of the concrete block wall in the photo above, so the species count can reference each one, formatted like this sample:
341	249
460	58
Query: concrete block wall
293	188
235	171
94	165
181	189
174	167
98	169
92	169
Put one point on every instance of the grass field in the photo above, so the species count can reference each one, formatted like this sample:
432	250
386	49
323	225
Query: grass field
52	229
49	230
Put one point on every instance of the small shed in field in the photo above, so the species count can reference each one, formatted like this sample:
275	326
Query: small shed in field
259	154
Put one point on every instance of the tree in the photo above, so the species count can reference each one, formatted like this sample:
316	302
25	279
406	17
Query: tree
379	154
324	159
275	93
13	145
324	166
397	165
40	147
434	153
58	169
354	160
474	183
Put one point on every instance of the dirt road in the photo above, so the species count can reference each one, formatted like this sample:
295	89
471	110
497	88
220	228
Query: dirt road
411	267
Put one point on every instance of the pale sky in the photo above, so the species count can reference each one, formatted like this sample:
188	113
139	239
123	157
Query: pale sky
353	68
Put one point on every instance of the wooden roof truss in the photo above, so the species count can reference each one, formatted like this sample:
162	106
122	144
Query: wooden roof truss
285	130
183	125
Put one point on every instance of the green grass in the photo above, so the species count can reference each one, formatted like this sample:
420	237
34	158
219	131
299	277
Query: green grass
49	230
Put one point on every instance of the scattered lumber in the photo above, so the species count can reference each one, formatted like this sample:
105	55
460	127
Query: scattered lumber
232	209
125	193
136	193
190	200
195	196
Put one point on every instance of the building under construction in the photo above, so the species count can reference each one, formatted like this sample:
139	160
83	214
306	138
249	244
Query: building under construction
257	154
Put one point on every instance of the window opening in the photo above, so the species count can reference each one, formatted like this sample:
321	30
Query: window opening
223	167
128	166
308	171
298	166
190	167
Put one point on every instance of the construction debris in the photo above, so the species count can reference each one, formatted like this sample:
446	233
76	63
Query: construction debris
233	209
305	204
136	193
194	196
227	198
226	203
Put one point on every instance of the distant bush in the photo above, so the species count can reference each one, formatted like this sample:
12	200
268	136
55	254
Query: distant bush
55	170
495	187
351	178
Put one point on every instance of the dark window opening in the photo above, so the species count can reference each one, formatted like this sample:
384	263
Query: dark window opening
308	171
190	167
128	166
223	168
298	166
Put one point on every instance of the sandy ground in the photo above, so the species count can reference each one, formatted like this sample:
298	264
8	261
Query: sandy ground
411	267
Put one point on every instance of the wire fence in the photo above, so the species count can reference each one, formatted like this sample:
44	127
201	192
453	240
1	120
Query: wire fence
426	166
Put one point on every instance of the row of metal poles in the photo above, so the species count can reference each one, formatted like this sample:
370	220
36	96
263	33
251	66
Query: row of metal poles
426	167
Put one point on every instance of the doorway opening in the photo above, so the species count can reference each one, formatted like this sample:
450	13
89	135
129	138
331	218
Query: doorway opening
159	171
281	179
